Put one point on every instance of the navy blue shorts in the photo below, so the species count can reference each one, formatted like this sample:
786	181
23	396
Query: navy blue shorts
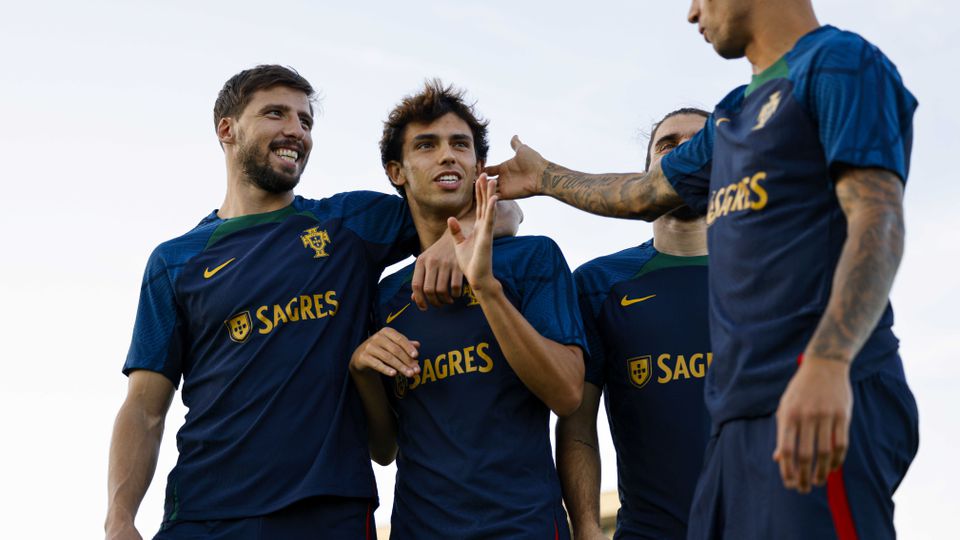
740	494
333	518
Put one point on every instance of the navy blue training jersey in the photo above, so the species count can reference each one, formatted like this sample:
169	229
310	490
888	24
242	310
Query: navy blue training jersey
763	171
645	314
474	446
259	315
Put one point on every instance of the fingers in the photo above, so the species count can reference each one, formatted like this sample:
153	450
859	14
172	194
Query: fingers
389	352
840	438
493	170
456	282
824	452
419	275
785	453
456	230
805	452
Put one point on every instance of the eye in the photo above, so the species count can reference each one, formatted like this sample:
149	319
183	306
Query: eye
666	146
307	124
423	146
461	144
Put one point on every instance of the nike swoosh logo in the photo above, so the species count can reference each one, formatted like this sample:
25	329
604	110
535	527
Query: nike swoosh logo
627	302
393	316
721	120
208	273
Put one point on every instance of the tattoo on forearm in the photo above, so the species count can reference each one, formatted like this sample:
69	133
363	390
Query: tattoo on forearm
616	195
872	202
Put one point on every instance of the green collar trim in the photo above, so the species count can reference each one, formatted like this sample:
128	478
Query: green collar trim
778	70
232	225
662	260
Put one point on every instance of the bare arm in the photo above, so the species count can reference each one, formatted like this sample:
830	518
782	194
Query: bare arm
813	418
578	462
134	448
552	371
387	352
644	196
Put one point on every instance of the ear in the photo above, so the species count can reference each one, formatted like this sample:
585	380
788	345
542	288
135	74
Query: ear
226	131
395	172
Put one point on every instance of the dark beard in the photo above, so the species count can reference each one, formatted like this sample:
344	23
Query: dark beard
684	213
262	175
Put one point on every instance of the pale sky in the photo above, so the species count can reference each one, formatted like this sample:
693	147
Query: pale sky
118	98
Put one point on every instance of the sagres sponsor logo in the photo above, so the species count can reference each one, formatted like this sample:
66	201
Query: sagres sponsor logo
239	326
747	195
473	359
640	369
470	296
316	240
270	317
767	110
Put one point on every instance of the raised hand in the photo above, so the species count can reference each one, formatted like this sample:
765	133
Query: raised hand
475	252
520	175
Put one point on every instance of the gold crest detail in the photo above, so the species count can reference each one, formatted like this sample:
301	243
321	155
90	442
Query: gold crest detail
239	326
640	369
468	292
316	240
400	385
767	110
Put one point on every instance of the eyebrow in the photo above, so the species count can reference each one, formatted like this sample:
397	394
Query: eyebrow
434	136
284	108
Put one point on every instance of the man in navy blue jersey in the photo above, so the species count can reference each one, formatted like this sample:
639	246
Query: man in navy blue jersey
257	310
465	391
800	175
645	313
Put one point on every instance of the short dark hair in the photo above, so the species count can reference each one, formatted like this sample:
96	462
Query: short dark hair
434	101
239	89
678	112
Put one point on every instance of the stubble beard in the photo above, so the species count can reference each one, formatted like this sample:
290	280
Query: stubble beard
256	167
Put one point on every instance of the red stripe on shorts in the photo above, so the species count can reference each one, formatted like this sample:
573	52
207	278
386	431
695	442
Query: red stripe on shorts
368	520
840	506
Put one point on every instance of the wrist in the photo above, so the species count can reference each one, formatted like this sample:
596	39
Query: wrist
486	288
118	521
838	364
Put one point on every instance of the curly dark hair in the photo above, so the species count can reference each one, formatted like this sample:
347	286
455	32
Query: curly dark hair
434	101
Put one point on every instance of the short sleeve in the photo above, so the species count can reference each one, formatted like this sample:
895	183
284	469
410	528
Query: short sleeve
864	112
382	221
549	297
159	334
596	355
687	168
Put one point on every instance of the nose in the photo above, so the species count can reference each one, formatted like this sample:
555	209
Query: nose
693	14
446	154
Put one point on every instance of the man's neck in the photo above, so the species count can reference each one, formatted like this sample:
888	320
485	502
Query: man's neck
431	225
777	26
672	236
243	198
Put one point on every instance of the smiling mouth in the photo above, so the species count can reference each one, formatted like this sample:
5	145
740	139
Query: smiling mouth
447	179
287	154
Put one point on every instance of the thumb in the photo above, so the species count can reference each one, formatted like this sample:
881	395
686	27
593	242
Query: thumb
515	143
455	230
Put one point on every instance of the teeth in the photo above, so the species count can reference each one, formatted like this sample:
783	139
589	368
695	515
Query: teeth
286	153
448	178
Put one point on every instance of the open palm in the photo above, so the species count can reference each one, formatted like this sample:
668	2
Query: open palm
475	252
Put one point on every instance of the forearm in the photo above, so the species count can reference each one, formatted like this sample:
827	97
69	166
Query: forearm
381	421
645	196
553	372
578	463
865	270
133	459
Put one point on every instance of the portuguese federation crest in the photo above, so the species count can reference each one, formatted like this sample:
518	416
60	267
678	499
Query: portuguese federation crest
640	370
767	110
239	326
316	240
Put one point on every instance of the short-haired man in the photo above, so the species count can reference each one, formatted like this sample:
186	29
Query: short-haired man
645	313
469	387
801	176
258	309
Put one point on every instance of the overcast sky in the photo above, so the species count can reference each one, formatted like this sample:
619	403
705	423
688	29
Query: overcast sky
108	149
